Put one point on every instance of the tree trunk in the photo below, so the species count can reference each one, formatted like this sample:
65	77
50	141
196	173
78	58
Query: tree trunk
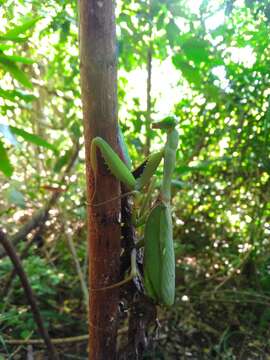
99	97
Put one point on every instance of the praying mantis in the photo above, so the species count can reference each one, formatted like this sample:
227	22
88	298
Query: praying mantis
159	259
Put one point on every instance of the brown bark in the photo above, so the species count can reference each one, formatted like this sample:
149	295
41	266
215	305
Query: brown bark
99	97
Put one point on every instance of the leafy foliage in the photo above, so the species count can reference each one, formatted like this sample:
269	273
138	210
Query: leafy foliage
217	53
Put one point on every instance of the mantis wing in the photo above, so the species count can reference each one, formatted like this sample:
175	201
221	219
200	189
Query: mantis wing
159	261
151	166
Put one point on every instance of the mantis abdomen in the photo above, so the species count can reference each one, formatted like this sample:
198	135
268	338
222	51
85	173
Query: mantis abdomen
159	263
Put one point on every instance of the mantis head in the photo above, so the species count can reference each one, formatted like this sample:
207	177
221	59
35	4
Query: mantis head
168	123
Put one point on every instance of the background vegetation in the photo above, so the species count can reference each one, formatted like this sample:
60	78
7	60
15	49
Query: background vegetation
205	61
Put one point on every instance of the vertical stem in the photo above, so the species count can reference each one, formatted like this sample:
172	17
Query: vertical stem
148	108
78	267
149	81
99	98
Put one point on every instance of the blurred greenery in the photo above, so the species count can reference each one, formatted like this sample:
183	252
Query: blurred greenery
210	67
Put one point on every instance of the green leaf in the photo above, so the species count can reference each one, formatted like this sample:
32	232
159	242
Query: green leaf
189	72
14	38
62	161
26	333
34	139
212	91
25	96
75	129
18	74
7	94
178	184
4	47
185	169
15	197
202	165
221	31
16	58
5	165
14	95
20	29
172	32
196	50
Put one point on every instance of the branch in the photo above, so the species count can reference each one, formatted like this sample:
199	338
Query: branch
78	267
41	215
29	294
24	253
149	101
54	341
59	341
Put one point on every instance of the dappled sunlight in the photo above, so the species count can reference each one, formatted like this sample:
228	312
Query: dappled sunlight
244	56
206	63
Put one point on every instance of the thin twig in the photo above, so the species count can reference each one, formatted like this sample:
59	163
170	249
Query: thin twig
78	267
66	340
13	273
29	294
41	215
235	270
41	341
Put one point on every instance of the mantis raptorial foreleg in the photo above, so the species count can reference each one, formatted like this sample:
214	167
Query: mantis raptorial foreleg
118	168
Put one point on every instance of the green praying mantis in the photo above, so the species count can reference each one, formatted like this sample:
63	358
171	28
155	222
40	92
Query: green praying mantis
159	259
